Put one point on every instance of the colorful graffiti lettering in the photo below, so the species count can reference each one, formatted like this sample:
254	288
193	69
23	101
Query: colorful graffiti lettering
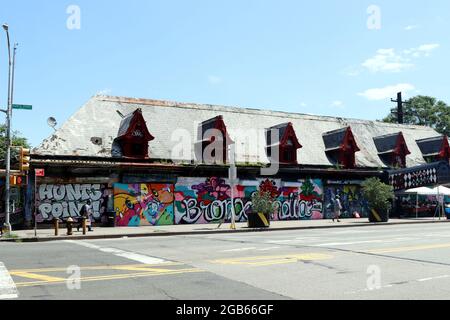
200	201
143	204
302	202
66	200
352	200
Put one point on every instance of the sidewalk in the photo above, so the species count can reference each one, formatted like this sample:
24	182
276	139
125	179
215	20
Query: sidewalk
198	229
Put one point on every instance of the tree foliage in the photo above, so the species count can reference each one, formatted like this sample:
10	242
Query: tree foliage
378	194
262	202
425	111
17	141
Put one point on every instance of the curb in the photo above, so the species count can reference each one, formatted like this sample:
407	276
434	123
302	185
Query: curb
218	231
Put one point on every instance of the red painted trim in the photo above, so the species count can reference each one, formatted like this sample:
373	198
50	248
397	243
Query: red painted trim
444	154
128	141
347	151
401	150
220	125
137	119
289	134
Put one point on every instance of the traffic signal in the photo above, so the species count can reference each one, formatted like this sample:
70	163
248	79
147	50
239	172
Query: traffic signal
24	159
18	181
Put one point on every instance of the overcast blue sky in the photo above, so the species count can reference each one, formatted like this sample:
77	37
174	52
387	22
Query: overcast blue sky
319	57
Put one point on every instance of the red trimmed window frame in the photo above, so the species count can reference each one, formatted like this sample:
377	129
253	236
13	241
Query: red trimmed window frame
444	154
220	126
398	157
347	150
136	146
288	151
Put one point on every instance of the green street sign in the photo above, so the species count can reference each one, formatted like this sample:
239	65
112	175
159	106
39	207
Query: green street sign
22	107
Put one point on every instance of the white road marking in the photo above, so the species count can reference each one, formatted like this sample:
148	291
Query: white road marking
239	249
364	242
8	289
121	253
346	243
434	278
392	285
268	249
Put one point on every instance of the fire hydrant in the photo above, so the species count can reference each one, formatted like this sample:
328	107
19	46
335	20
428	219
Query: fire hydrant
69	226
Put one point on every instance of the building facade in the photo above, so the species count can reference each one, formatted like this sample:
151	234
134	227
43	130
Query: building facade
144	161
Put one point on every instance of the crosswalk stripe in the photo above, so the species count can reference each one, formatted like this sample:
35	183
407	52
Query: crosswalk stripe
8	289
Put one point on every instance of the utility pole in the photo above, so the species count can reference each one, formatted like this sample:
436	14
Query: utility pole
8	111
399	111
8	137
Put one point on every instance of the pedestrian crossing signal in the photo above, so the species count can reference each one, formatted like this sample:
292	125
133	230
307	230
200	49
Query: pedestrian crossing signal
18	181
25	159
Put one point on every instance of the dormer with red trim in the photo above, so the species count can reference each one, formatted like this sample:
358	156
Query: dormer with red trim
341	147
209	132
392	149
133	137
286	143
435	149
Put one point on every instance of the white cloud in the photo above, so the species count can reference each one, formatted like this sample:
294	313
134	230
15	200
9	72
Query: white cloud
302	104
388	60
411	27
214	80
337	104
426	49
386	92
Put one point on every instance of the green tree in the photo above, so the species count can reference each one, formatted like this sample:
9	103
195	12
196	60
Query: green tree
17	140
425	111
378	194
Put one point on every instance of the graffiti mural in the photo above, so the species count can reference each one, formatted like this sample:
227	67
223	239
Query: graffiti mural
65	200
208	200
352	200
298	201
143	204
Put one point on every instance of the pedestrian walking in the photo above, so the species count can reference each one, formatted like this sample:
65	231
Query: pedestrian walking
86	213
337	208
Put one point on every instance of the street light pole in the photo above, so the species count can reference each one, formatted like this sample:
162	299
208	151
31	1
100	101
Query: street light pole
8	137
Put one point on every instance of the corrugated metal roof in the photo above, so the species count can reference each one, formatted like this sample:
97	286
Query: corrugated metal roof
247	127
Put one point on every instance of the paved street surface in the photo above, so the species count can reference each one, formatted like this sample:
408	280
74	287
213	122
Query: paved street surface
396	262
49	234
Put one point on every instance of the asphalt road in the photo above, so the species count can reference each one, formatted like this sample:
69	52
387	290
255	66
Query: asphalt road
379	262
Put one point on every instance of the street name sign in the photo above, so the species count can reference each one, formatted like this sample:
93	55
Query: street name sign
22	107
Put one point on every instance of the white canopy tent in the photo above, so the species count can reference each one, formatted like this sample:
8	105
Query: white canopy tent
422	191
439	192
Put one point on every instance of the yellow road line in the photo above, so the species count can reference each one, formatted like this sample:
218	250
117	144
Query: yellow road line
270	260
35	276
117	267
411	248
111	277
